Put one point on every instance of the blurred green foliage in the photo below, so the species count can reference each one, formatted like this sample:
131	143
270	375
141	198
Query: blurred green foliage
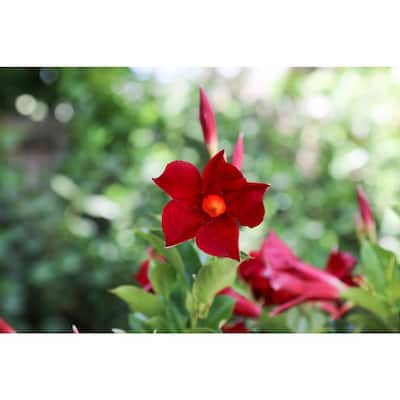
79	146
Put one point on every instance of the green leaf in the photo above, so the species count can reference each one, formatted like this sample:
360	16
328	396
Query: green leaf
364	321
156	324
191	260
368	301
163	277
139	300
171	254
136	322
277	324
297	321
372	266
216	275
221	310
176	322
201	330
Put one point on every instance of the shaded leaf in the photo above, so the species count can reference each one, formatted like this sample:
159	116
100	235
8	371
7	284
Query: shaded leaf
163	277
171	254
368	301
216	275
220	310
139	300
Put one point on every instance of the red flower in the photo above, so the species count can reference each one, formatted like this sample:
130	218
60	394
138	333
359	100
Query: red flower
243	306
278	277
237	155
142	276
210	206
367	217
341	265
237	327
208	124
5	328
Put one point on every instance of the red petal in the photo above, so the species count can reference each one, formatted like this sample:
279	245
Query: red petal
238	327
247	204
219	237
283	307
335	309
243	306
340	264
275	253
180	222
250	268
142	276
181	180
5	328
303	286
237	155
220	176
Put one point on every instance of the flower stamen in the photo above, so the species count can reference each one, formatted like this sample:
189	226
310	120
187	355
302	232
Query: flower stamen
213	205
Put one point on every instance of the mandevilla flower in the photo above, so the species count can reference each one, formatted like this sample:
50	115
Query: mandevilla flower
367	217
210	206
243	306
5	328
278	277
208	124
341	265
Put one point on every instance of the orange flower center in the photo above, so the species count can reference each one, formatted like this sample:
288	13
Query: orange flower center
213	205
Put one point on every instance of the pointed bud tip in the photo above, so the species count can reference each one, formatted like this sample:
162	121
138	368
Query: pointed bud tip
238	150
208	123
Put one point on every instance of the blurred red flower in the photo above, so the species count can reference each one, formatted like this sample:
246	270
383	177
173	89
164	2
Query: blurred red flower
210	206
341	265
5	328
243	306
278	277
237	327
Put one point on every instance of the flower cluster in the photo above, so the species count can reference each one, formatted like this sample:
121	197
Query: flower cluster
278	277
181	289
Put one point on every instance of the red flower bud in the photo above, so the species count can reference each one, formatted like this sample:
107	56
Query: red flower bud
142	275
237	155
243	306
208	124
366	214
5	328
